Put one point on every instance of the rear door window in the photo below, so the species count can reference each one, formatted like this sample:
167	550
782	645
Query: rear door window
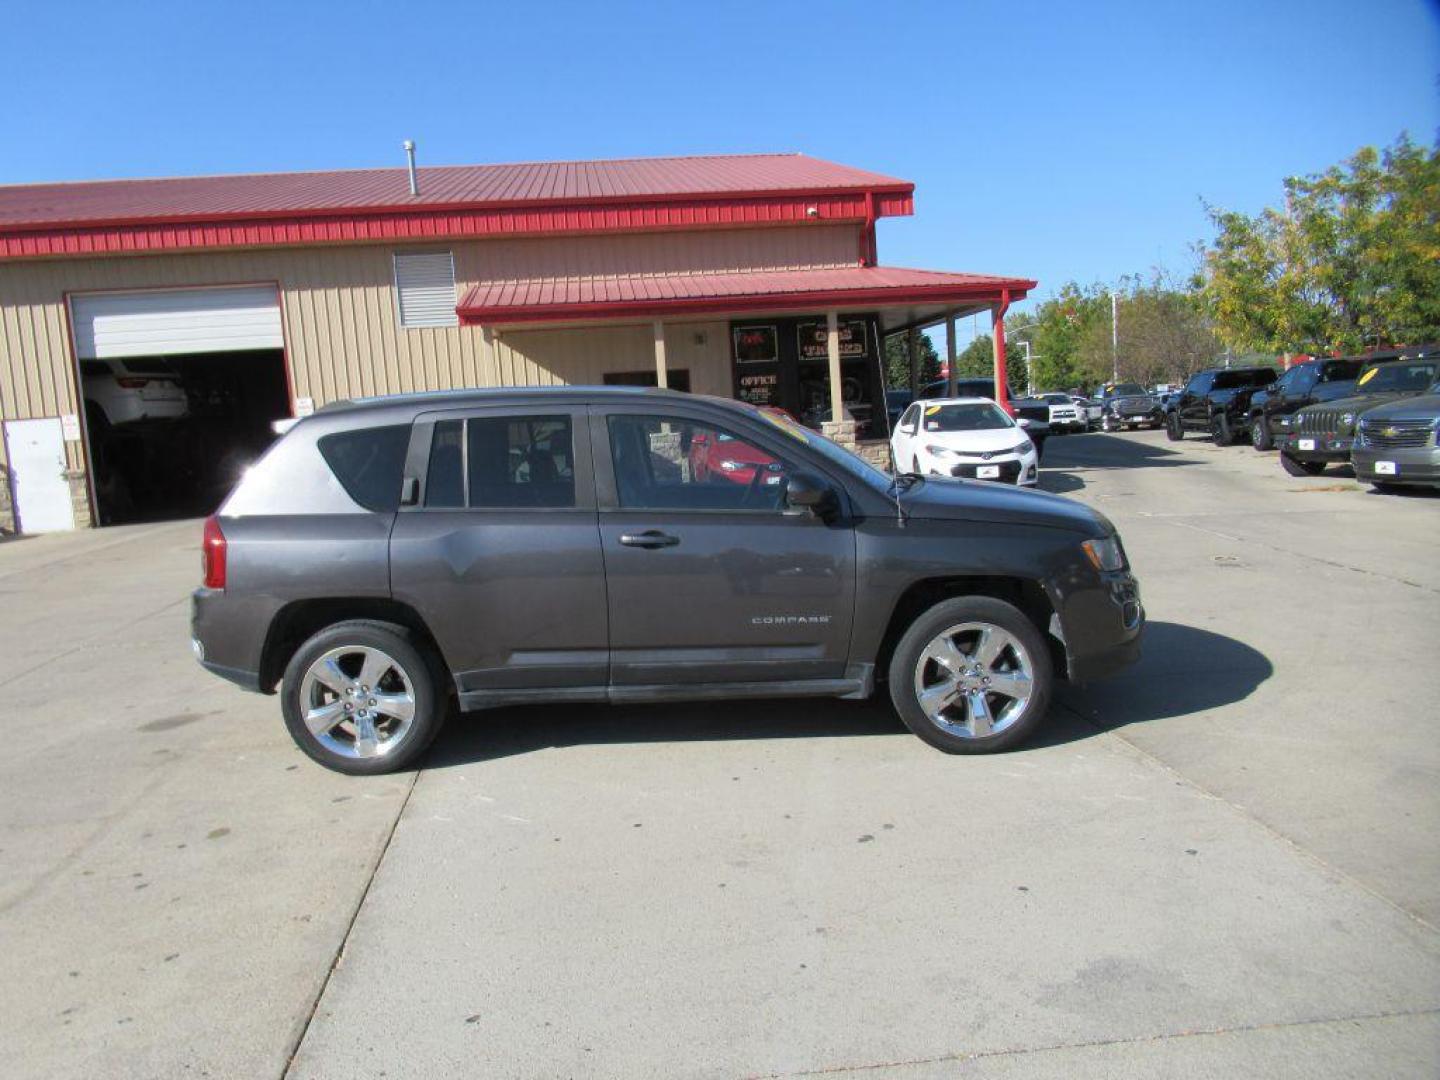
369	463
501	462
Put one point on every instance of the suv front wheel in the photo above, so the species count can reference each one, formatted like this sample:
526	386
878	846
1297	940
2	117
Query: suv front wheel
1173	430
971	676
363	697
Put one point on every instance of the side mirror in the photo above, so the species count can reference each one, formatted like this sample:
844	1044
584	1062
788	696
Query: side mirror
806	491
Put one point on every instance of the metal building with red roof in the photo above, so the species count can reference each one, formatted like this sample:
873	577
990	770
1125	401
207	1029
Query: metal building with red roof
241	299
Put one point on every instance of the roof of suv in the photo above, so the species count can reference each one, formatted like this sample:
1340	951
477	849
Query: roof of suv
458	399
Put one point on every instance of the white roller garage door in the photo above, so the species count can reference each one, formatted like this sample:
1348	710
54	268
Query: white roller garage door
169	323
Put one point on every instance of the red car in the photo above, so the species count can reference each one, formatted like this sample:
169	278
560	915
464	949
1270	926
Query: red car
715	457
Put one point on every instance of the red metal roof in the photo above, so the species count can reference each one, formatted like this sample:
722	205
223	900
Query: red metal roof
447	186
577	298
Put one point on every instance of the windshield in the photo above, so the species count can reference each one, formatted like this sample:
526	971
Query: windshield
1126	388
1397	378
972	416
833	452
1058	399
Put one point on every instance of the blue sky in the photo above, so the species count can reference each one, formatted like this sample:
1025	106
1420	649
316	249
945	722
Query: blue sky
1055	141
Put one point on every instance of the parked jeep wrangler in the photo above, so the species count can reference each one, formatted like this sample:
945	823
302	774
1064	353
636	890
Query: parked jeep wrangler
1217	403
1322	435
1306	383
391	559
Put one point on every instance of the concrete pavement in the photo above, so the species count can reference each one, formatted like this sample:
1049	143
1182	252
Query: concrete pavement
1218	864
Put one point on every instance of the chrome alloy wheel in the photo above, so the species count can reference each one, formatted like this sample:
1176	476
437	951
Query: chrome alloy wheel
974	679
357	701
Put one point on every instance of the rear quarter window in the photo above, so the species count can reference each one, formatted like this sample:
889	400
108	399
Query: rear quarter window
369	463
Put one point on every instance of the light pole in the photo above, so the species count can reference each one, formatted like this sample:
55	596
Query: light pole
1029	369
1114	338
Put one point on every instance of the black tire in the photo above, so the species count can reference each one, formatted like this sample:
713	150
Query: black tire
1173	431
1224	434
933	622
1260	437
1384	487
1295	467
420	667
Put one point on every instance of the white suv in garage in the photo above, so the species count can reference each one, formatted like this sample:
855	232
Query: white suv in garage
125	391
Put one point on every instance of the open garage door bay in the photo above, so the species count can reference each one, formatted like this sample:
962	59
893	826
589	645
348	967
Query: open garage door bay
177	322
180	388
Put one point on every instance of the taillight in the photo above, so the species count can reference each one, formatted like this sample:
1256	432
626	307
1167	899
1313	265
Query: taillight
132	384
212	549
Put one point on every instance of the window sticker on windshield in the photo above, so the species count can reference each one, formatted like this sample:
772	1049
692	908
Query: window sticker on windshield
788	426
1367	376
931	410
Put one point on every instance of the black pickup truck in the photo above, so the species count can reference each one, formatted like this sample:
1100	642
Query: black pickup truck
1217	403
1306	383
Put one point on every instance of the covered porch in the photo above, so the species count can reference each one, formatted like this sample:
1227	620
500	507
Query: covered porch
810	341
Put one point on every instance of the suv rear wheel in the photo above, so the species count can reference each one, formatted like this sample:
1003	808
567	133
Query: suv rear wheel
971	676
363	697
1223	433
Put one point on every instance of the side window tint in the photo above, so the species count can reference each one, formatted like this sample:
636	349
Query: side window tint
519	461
670	463
369	462
907	422
445	475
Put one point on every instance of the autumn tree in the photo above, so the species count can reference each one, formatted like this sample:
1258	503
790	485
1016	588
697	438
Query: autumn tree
1350	261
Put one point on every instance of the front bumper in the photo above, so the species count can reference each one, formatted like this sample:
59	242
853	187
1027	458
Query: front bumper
1102	626
1418	465
1330	447
1019	471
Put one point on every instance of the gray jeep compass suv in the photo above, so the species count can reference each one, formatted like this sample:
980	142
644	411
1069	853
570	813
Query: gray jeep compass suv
392	559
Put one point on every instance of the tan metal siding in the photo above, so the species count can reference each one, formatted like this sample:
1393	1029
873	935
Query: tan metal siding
656	254
583	357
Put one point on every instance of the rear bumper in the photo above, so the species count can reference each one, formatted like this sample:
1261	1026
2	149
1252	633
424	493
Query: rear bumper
226	635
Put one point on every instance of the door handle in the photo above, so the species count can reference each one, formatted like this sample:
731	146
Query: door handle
651	538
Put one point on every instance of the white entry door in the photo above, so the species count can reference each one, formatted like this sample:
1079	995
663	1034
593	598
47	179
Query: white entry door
36	453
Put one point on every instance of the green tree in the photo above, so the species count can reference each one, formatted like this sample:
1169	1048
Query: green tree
897	361
1350	261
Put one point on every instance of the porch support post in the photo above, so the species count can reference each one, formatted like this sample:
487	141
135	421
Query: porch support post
832	351
1002	385
662	375
913	355
950	353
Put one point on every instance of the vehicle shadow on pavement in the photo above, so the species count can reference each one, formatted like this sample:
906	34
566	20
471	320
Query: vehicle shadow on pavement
1182	670
499	733
1099	451
1160	686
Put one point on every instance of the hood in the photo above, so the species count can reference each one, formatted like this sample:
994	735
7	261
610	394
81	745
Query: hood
1361	403
1424	407
972	441
978	500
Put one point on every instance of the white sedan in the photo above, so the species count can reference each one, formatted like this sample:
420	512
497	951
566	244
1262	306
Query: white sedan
970	438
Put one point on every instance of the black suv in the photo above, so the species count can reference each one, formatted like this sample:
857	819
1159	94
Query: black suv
389	559
1322	435
1217	403
1305	383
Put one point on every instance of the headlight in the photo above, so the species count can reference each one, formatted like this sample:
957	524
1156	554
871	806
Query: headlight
1105	553
1021	448
1346	419
941	452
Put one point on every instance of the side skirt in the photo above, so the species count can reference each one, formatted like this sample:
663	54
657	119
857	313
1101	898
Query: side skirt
858	683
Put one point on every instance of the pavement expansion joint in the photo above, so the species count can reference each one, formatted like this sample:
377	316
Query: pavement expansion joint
1085	1044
